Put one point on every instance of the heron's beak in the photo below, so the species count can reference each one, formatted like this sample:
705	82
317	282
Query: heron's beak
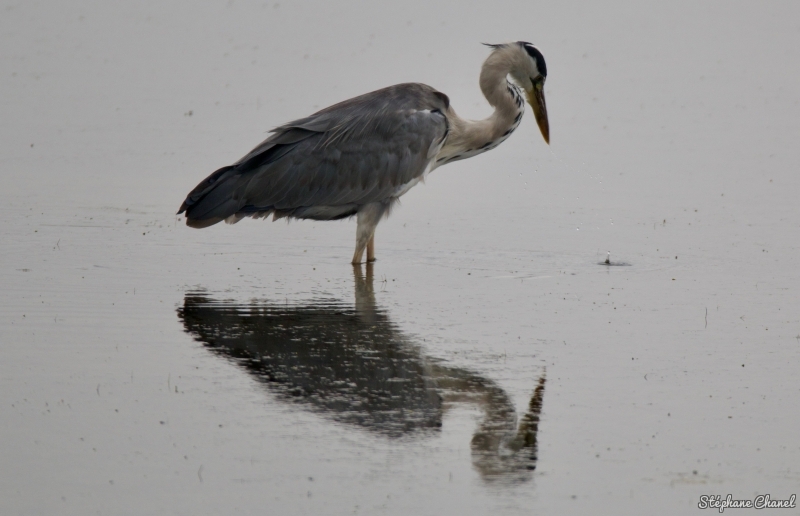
536	100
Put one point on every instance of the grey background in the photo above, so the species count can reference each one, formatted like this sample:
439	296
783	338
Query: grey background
673	128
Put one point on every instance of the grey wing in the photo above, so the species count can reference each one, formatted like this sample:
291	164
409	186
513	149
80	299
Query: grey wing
327	165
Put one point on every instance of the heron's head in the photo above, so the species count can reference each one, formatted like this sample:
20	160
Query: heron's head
528	71
531	76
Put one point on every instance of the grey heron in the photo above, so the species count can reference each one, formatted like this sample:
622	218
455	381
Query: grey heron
359	156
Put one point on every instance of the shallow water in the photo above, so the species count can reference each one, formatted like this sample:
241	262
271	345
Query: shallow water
490	361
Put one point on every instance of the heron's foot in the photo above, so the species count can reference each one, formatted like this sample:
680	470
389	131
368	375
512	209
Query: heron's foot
358	260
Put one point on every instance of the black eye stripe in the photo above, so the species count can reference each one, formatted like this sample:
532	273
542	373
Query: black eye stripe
536	56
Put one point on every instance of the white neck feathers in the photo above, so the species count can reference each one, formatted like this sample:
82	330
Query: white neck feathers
470	137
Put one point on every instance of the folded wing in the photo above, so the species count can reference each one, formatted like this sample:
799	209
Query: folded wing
325	166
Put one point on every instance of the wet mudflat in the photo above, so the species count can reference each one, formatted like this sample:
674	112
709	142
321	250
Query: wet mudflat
489	361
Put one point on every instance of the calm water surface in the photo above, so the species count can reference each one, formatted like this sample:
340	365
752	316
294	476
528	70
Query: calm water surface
489	362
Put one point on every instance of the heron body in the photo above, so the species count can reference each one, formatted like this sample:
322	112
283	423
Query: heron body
360	156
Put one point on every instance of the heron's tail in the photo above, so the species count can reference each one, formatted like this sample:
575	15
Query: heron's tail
214	199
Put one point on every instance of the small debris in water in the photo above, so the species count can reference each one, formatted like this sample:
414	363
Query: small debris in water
609	263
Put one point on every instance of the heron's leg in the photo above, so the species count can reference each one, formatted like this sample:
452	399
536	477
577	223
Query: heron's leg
361	244
368	217
371	249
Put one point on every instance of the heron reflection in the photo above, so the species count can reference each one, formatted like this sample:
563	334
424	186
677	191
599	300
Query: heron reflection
353	365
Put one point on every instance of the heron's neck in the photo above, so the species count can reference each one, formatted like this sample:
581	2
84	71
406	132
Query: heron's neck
470	137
